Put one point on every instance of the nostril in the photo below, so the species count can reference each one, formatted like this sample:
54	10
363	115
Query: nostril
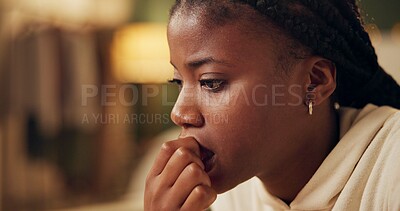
186	125
199	121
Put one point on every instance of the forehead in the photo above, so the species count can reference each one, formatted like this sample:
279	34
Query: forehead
192	35
219	13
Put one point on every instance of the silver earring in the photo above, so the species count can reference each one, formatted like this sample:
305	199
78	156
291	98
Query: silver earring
337	106
310	108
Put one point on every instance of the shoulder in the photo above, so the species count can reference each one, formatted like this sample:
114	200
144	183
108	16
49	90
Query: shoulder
388	162
378	169
388	138
389	134
393	123
393	161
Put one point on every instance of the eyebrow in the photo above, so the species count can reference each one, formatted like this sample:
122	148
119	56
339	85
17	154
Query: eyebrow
195	64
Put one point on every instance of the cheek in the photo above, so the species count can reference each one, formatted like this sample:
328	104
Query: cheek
276	96
237	123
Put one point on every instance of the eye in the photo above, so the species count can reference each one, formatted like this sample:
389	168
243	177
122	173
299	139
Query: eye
176	82
213	85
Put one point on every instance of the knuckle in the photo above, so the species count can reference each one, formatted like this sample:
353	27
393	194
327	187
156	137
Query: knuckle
201	192
183	153
168	147
194	170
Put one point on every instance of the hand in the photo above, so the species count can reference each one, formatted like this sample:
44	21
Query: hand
177	180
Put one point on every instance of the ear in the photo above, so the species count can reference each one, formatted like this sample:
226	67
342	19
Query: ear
321	79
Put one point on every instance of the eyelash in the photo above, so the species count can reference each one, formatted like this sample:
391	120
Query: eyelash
176	82
215	82
204	84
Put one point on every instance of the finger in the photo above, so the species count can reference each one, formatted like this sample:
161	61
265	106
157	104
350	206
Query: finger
200	198
192	176
168	149
177	163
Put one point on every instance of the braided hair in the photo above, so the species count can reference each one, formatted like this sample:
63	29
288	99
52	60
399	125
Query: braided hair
332	29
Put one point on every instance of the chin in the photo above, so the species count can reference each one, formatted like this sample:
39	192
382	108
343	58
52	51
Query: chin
222	185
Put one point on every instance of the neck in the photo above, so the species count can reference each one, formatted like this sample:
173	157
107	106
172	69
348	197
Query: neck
298	169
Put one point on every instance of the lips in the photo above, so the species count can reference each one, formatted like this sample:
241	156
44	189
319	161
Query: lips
207	157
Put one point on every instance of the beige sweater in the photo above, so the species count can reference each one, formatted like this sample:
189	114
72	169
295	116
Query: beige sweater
361	173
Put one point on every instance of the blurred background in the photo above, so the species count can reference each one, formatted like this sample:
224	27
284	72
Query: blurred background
83	98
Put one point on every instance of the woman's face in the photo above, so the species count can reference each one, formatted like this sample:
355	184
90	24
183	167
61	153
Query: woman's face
232	100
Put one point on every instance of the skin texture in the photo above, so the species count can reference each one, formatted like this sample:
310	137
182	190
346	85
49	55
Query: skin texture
267	130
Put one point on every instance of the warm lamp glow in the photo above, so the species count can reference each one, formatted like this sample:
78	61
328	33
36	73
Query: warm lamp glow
140	54
396	33
97	13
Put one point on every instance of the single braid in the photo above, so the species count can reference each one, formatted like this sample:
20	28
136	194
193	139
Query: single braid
327	11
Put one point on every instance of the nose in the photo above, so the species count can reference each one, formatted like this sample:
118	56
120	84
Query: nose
186	111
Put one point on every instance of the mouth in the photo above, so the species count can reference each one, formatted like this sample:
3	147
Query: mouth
208	158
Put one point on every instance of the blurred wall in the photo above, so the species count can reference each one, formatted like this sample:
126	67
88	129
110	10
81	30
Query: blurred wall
50	51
